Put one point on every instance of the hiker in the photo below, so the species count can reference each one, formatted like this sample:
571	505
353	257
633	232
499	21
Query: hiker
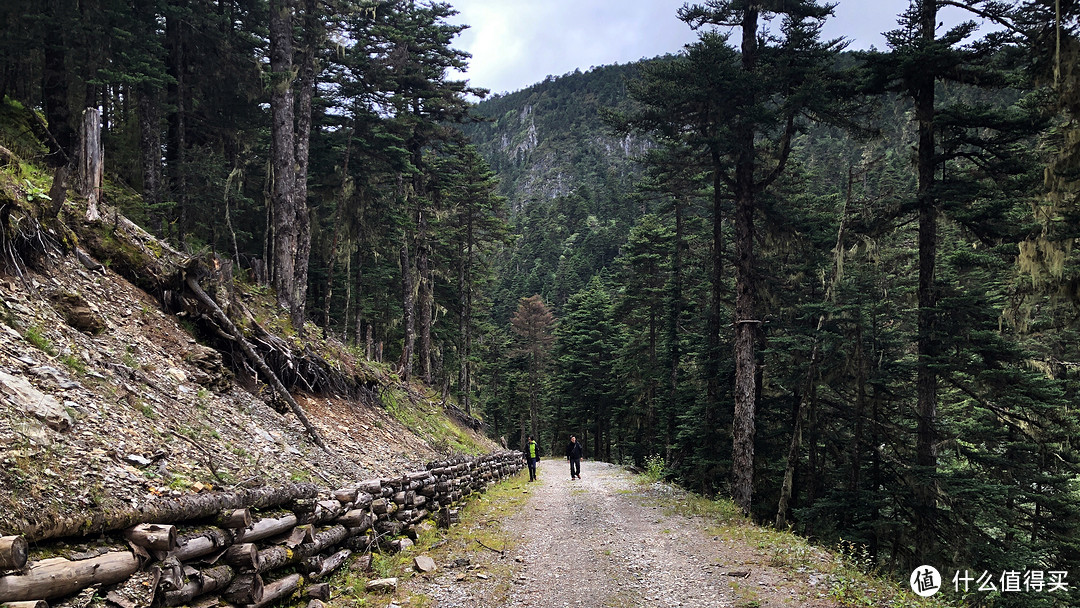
573	454
531	456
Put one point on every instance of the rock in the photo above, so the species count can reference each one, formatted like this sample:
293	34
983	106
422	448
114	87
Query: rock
320	591
77	312
212	373
384	585
33	431
176	374
362	563
137	460
424	563
44	407
401	544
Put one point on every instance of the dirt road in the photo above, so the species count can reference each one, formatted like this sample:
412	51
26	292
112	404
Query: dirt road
591	542
609	540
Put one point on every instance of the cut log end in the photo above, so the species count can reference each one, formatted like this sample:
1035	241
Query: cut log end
155	537
13	552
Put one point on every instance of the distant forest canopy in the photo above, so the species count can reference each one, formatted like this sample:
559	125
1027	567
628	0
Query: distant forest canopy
840	287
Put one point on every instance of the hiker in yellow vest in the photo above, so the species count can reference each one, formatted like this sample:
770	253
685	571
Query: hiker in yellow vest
531	455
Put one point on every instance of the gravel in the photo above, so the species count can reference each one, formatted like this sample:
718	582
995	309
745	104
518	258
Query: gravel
609	540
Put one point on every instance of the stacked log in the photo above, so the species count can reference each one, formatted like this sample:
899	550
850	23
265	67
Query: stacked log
212	545
13	552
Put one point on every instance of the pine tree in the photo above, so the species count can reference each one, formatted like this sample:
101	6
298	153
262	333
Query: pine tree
584	384
741	109
532	324
645	271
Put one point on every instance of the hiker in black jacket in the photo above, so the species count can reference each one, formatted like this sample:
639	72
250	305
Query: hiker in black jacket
573	454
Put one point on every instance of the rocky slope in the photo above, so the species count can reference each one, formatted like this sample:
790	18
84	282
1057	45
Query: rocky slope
107	401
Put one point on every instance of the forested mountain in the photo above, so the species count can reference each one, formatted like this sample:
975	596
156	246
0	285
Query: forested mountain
839	287
908	354
547	141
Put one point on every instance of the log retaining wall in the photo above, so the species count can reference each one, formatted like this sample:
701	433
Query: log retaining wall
233	545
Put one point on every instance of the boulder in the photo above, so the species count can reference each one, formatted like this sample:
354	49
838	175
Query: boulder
26	397
384	585
423	563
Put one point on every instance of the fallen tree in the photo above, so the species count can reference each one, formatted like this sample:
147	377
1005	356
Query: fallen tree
167	510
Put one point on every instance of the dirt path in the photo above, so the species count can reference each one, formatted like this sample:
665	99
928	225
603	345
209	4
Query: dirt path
588	544
607	540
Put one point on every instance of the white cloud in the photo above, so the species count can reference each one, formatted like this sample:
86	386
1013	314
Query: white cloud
516	43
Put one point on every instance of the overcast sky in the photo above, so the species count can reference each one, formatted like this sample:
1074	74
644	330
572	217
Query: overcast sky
517	43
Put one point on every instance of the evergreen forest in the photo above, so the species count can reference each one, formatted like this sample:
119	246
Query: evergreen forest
838	287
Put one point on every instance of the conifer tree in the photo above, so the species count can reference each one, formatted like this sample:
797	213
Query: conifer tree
585	392
470	224
742	109
533	325
645	271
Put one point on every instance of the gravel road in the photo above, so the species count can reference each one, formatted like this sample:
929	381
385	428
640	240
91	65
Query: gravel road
607	540
591	542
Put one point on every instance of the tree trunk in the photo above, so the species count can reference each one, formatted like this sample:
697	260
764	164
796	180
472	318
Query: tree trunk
746	326
149	110
54	89
235	518
207	581
244	556
312	37
675	306
153	537
91	162
277	590
712	324
199	544
466	386
283	141
338	220
860	409
326	565
746	322
192	506
462	358
786	488
926	408
409	307
245	589
176	151
57	577
426	304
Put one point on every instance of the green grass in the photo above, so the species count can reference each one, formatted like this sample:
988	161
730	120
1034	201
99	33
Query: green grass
34	336
481	520
655	468
426	418
74	363
852	579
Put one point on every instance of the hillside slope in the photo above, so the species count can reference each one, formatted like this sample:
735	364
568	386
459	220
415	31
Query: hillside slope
548	140
107	401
